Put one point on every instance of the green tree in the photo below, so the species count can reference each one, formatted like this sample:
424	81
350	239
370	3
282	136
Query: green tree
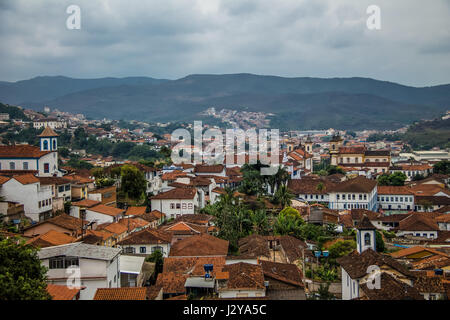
380	246
158	259
133	182
283	196
287	224
290	211
442	167
341	248
22	277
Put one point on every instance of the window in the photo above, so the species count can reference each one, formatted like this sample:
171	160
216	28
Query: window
61	189
367	239
337	196
353	197
25	166
178	206
129	250
184	205
115	278
401	199
63	262
45	145
396	199
190	205
67	187
382	198
39	204
157	248
46	168
143	250
12	166
343	197
172	206
360	197
54	148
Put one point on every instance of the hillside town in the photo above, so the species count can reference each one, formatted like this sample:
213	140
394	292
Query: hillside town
342	218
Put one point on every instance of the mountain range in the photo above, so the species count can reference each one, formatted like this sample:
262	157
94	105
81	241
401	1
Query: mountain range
296	103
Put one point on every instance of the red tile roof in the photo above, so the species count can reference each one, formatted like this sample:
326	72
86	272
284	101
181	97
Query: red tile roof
199	245
177	193
107	210
59	292
21	151
132	293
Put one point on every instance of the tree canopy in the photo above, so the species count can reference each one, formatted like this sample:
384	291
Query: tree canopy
22	277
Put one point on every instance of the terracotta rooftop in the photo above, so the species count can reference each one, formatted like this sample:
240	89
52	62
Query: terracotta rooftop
135	211
48	132
244	276
395	190
26	179
199	245
85	203
62	220
391	289
131	293
192	265
177	193
217	168
359	184
21	151
356	264
171	282
107	210
51	238
60	292
147	236
284	272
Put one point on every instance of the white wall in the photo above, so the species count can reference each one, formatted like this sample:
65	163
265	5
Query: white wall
29	195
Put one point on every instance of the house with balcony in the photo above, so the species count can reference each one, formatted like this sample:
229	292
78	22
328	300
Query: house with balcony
27	190
96	266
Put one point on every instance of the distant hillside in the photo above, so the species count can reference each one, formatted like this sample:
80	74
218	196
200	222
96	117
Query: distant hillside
308	103
46	88
14	112
422	135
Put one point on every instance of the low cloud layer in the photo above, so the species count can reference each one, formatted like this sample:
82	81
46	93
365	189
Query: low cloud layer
173	38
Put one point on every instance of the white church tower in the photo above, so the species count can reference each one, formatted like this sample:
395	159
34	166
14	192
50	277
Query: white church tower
365	235
48	140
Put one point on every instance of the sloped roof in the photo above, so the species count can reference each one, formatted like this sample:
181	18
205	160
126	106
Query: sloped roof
177	193
391	289
131	293
359	184
244	276
51	238
284	272
356	264
199	245
60	292
107	210
21	151
147	236
62	220
48	132
79	249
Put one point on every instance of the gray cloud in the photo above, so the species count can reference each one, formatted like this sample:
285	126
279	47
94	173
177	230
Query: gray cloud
173	38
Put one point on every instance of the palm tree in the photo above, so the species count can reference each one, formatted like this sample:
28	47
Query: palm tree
259	221
283	196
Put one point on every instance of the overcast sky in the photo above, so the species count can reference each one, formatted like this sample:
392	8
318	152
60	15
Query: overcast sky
173	38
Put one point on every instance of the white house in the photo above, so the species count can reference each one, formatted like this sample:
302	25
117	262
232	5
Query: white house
27	190
395	198
104	214
176	202
96	266
357	193
146	242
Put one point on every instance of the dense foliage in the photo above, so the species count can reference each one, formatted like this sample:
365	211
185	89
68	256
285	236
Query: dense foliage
22	277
